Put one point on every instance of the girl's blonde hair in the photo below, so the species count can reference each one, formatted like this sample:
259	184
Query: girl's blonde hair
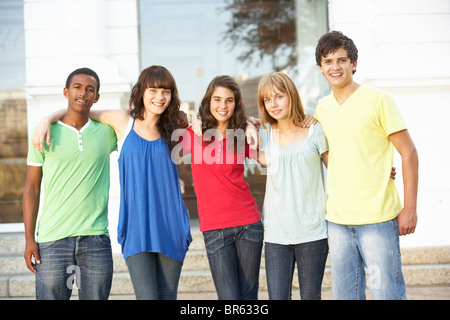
283	83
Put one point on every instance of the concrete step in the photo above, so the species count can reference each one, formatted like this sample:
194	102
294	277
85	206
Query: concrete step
421	267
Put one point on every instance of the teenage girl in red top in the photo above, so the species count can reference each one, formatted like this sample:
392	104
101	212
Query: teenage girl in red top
229	217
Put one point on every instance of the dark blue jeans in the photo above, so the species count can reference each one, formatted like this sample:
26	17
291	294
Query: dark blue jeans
234	256
85	260
280	263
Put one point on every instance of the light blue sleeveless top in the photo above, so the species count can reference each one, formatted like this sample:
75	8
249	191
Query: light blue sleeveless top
295	199
153	216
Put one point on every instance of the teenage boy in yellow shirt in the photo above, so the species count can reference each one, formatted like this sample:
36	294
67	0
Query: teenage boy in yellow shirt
364	213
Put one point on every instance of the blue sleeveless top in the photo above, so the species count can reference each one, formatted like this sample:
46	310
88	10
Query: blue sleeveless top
153	216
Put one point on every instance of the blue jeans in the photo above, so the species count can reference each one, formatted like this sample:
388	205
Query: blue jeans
373	247
234	256
280	263
85	260
154	276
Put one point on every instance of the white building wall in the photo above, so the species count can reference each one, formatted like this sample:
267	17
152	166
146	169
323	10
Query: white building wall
403	47
61	36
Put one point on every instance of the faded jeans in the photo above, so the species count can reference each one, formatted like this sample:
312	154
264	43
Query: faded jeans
84	260
234	256
372	248
154	276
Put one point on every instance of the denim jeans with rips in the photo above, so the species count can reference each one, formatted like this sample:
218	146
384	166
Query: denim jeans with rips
359	249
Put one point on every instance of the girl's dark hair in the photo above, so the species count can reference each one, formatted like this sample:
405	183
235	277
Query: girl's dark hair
85	71
239	118
331	42
157	77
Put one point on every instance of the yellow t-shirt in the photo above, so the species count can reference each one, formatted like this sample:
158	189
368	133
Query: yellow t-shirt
359	187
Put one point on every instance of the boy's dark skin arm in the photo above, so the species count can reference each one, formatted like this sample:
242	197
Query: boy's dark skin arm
31	196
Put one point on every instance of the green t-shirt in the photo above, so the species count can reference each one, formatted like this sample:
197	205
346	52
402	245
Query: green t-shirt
76	173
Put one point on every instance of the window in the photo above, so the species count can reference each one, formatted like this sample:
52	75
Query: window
198	40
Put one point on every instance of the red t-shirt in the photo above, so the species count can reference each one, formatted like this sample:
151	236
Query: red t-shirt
224	200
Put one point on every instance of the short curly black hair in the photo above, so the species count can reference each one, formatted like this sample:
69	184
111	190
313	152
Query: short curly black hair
85	71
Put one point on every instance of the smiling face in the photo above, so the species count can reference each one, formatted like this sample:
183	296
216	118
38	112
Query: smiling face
156	100
82	93
277	104
338	69
222	104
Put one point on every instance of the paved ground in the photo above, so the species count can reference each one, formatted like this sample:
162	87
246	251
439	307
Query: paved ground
422	293
427	293
432	293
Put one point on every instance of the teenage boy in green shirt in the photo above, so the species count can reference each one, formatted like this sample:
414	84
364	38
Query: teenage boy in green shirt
72	235
364	213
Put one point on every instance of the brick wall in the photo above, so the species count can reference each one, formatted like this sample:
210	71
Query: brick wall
13	151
